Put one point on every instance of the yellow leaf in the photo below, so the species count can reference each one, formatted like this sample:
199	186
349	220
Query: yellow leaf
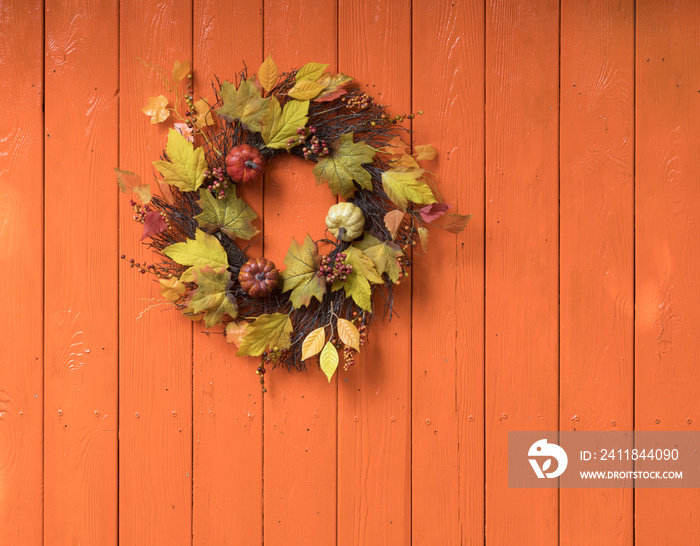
333	86
245	104
395	146
423	234
266	332
384	255
212	296
310	71
279	125
305	90
205	114
171	289
157	109
405	161
180	70
268	74
404	186
186	166
204	250
131	183
235	332
393	220
301	277
426	151
231	215
348	334
329	360
344	166
313	343
190	314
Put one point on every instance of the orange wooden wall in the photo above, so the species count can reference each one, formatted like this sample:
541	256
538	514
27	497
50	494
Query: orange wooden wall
570	129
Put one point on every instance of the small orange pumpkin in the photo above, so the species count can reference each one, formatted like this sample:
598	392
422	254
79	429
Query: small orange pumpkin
258	277
244	163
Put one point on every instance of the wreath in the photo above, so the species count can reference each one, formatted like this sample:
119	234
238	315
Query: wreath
321	303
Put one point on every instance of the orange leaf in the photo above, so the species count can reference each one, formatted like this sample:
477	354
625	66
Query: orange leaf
313	343
393	220
268	74
348	334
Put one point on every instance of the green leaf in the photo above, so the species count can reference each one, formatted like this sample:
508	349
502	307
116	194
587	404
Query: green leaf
245	104
310	71
282	124
404	186
345	165
301	274
204	250
305	90
266	332
329	360
231	215
385	256
186	167
212	297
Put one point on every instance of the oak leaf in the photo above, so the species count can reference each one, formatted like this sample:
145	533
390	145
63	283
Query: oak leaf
403	187
344	166
212	296
266	332
384	255
268	74
313	343
157	108
329	360
279	125
301	276
231	215
348	334
131	183
186	165
245	104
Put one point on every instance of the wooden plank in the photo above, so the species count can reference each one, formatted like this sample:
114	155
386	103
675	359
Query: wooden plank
155	380
300	408
667	347
81	262
597	271
448	307
227	398
374	396
21	259
522	53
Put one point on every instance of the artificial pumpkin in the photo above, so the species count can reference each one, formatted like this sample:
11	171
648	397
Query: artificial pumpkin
258	277
244	163
346	217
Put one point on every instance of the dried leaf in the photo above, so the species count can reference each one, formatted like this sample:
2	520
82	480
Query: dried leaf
329	360
186	166
392	221
423	234
245	104
385	256
433	211
345	165
131	183
212	296
425	151
305	90
180	70
310	71
403	187
231	215
172	289
333	86
268	74
205	114
157	109
313	343
185	130
281	125
204	250
266	332
235	332
348	334
405	161
153	224
454	223
301	274
395	146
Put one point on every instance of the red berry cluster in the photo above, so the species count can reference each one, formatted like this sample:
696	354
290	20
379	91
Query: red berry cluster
348	356
216	181
315	146
333	269
358	102
139	211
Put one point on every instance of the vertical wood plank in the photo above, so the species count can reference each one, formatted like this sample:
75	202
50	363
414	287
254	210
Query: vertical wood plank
597	270
21	259
81	270
522	80
155	379
300	408
374	396
448	319
227	398
667	344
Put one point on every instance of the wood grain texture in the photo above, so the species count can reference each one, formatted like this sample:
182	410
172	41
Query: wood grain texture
667	342
597	270
448	320
155	379
522	80
80	261
21	259
227	398
300	409
374	396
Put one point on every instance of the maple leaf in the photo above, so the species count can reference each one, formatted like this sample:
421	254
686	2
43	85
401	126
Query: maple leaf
235	332
131	183
185	130
404	186
405	161
280	125
268	74
333	86
301	277
395	146
454	223
231	215
186	166
313	343
357	285
157	109
310	71
245	104
384	256
180	70
212	296
392	221
433	211
172	289
266	332
345	165
153	224
205	250
205	114
329	360
425	151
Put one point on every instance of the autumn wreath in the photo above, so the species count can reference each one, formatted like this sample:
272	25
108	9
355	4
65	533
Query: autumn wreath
321	302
